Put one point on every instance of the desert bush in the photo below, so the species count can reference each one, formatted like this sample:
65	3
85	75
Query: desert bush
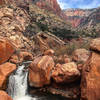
71	46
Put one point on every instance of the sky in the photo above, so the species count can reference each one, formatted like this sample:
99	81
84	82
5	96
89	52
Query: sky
84	4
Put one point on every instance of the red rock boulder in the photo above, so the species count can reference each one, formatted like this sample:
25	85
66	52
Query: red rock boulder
4	96
90	84
6	50
40	71
5	70
66	73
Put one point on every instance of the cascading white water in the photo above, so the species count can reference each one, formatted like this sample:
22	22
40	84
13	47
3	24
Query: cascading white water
17	87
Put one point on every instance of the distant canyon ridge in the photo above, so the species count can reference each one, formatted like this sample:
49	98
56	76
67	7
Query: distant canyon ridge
76	17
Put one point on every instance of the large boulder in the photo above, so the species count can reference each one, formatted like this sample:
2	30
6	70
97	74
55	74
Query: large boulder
95	44
40	71
80	55
90	84
4	96
5	70
66	73
6	50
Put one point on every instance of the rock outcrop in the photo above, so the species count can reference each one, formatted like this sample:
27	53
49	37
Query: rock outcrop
40	71
90	84
4	96
13	22
5	70
66	73
46	41
6	49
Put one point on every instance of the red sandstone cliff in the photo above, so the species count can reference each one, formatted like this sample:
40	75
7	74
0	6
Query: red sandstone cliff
51	5
76	16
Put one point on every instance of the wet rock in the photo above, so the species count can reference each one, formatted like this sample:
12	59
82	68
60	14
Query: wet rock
90	84
95	44
66	73
6	50
5	70
40	71
81	55
4	96
70	92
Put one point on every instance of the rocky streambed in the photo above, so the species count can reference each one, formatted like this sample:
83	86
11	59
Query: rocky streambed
68	80
74	77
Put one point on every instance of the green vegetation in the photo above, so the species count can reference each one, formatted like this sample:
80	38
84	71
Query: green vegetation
42	20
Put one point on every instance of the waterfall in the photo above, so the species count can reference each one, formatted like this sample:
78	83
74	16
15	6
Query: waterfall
17	87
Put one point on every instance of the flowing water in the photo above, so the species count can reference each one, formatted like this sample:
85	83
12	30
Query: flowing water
17	87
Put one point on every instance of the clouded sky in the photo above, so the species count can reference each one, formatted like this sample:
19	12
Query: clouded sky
79	3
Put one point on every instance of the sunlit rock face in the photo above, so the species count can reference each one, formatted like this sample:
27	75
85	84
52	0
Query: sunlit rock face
5	70
40	71
90	83
66	73
50	5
